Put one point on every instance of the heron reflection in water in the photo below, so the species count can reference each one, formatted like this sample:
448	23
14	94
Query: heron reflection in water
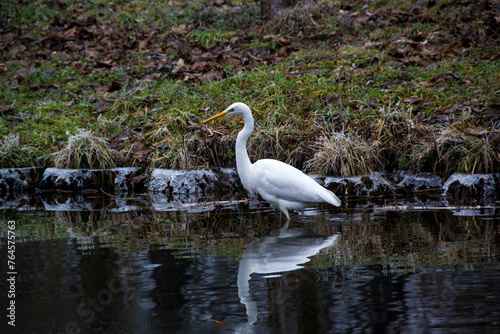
284	250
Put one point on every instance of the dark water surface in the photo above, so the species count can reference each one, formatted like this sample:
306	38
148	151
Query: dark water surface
94	265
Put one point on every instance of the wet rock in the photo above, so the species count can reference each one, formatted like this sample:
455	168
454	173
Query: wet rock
169	187
229	180
375	184
65	179
118	181
175	182
130	179
79	179
172	189
197	182
414	182
138	183
346	185
18	180
472	185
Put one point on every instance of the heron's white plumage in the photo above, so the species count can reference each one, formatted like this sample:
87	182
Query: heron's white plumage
282	185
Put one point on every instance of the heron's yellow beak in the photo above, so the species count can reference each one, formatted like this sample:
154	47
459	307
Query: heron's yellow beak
216	116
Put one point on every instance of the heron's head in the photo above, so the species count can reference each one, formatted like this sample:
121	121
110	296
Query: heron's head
234	109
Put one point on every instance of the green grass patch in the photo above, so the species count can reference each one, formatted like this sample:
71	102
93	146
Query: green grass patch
113	68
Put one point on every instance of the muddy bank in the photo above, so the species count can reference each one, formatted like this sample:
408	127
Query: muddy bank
167	186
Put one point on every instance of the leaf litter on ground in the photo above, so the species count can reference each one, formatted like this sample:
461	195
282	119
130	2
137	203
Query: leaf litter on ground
120	69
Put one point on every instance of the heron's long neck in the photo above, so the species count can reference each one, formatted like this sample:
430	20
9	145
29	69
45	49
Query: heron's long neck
243	163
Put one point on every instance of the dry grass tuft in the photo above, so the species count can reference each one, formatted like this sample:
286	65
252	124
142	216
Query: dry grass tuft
344	154
278	143
305	16
466	153
14	154
455	150
84	150
393	121
185	153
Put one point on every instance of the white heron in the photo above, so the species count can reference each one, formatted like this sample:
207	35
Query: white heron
283	186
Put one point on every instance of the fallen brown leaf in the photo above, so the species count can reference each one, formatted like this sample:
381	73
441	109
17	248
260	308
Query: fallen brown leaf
476	131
